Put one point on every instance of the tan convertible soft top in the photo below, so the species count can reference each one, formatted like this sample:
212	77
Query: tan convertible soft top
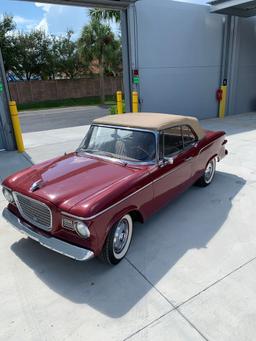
151	121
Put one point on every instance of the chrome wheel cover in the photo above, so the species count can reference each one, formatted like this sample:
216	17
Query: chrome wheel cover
122	237
209	171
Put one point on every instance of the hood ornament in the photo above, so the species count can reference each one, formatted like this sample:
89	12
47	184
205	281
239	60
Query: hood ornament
36	185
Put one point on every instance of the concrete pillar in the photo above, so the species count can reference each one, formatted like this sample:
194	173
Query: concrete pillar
5	120
229	60
126	60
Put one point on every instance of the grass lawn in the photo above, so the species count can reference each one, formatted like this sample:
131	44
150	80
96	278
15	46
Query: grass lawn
110	100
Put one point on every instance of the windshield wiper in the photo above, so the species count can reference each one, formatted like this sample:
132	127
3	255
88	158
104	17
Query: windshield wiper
90	151
87	150
103	153
112	156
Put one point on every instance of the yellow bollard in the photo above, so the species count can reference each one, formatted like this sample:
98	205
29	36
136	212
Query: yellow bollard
119	102
16	126
135	101
222	106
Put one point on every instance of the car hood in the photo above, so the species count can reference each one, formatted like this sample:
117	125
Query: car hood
72	178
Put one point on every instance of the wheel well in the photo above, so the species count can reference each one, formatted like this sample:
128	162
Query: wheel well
136	216
215	156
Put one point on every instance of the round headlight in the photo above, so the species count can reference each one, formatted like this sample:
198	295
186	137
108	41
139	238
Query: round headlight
82	229
8	195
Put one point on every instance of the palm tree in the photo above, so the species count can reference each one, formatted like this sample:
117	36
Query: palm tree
105	15
99	46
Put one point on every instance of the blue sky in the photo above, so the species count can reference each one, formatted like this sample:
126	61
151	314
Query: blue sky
55	19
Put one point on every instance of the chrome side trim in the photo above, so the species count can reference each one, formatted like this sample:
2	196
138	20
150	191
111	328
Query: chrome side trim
166	174
119	202
54	244
108	208
63	213
202	149
130	195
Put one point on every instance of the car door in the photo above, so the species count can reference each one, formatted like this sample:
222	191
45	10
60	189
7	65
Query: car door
173	177
190	145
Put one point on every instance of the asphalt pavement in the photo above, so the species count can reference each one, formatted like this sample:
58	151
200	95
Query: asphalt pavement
41	120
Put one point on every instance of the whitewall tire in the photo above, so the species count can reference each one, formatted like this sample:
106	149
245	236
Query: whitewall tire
118	241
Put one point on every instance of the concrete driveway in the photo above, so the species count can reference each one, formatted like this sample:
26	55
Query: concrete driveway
190	273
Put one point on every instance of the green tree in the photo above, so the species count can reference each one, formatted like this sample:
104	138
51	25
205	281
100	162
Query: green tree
113	65
61	58
105	15
7	41
52	59
32	50
98	45
66	51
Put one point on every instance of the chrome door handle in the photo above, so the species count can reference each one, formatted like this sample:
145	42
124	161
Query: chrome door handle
189	158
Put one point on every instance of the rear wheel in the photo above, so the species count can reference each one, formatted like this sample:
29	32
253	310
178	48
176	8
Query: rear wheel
208	175
118	241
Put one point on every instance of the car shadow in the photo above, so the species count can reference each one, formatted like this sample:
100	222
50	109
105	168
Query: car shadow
190	222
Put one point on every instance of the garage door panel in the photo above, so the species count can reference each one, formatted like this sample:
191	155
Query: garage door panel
179	56
173	34
180	91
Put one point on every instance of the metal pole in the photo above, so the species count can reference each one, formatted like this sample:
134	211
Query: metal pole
5	120
16	126
226	81
119	102
126	60
135	101
232	68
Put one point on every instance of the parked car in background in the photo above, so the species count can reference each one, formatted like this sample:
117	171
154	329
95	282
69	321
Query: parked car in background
85	203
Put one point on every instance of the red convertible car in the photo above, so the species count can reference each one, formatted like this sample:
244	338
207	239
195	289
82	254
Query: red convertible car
84	204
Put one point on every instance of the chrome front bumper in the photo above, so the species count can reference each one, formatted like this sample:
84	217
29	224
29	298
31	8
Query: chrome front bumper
51	243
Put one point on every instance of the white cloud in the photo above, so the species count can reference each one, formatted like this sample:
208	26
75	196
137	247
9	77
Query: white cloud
24	23
43	25
57	19
45	7
22	20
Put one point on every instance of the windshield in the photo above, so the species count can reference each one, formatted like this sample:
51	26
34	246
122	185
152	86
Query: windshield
124	144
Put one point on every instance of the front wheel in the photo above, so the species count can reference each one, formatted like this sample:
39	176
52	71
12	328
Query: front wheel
118	241
208	175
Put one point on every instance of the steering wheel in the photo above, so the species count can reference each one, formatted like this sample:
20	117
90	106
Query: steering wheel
146	153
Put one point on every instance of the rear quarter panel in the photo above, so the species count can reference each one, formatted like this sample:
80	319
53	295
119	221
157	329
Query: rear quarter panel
212	145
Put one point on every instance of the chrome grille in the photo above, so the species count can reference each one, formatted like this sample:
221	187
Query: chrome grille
35	212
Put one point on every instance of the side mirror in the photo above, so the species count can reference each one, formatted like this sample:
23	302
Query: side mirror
170	160
166	161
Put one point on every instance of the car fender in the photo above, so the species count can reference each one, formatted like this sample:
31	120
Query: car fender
118	216
215	156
